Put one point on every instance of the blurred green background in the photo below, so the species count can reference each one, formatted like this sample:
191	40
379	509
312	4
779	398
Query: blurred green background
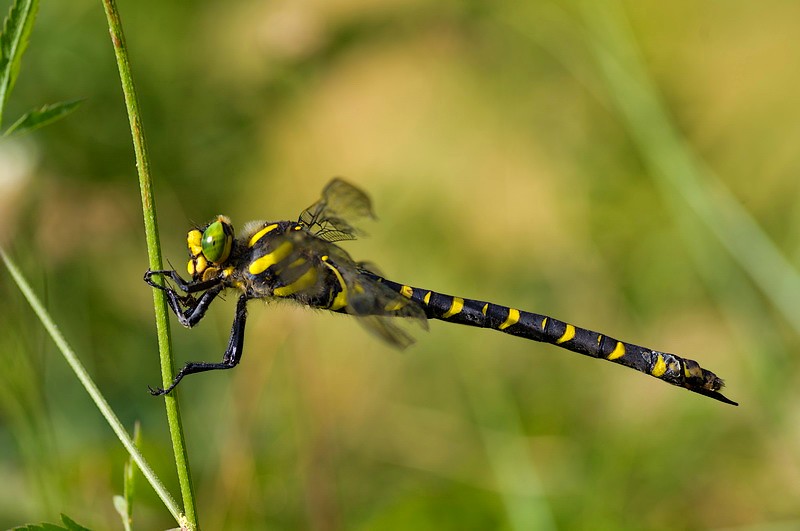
514	152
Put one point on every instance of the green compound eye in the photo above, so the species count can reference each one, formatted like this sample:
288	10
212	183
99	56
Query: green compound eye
216	242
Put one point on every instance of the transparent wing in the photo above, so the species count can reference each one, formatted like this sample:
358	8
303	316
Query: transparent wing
370	267
379	309
332	216
391	326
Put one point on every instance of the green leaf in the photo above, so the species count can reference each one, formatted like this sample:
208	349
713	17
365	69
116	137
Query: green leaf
69	525
13	41
47	114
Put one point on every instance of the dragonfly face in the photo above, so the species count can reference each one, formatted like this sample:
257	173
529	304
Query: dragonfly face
301	261
209	248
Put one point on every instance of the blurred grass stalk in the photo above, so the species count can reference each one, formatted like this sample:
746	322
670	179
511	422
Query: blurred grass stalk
155	260
674	166
89	385
515	473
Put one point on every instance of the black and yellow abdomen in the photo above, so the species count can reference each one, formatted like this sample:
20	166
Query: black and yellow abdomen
662	365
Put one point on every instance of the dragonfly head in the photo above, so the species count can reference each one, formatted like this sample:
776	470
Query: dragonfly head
209	248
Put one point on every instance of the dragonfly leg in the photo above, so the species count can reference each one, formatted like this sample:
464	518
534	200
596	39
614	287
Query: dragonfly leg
187	287
186	308
233	353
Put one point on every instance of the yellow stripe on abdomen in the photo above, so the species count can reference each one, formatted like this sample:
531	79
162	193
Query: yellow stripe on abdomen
660	367
455	307
513	317
618	351
568	334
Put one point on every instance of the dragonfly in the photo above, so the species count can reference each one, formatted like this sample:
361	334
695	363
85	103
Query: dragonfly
301	261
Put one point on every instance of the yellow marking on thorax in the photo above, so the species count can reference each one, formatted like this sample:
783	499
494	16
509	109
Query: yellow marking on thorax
513	317
305	281
485	308
568	334
427	298
260	265
618	351
407	291
455	307
260	234
660	367
340	300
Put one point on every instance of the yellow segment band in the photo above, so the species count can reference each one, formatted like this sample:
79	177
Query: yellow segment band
660	367
618	351
406	291
695	371
258	235
513	317
455	307
485	308
262	264
306	280
568	334
427	298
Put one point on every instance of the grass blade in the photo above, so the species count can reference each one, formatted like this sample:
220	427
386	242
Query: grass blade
47	114
90	386
13	41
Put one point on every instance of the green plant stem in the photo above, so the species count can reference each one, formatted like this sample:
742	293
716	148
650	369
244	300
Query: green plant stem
154	255
90	387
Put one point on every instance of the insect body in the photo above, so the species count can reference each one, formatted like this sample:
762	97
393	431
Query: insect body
300	261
